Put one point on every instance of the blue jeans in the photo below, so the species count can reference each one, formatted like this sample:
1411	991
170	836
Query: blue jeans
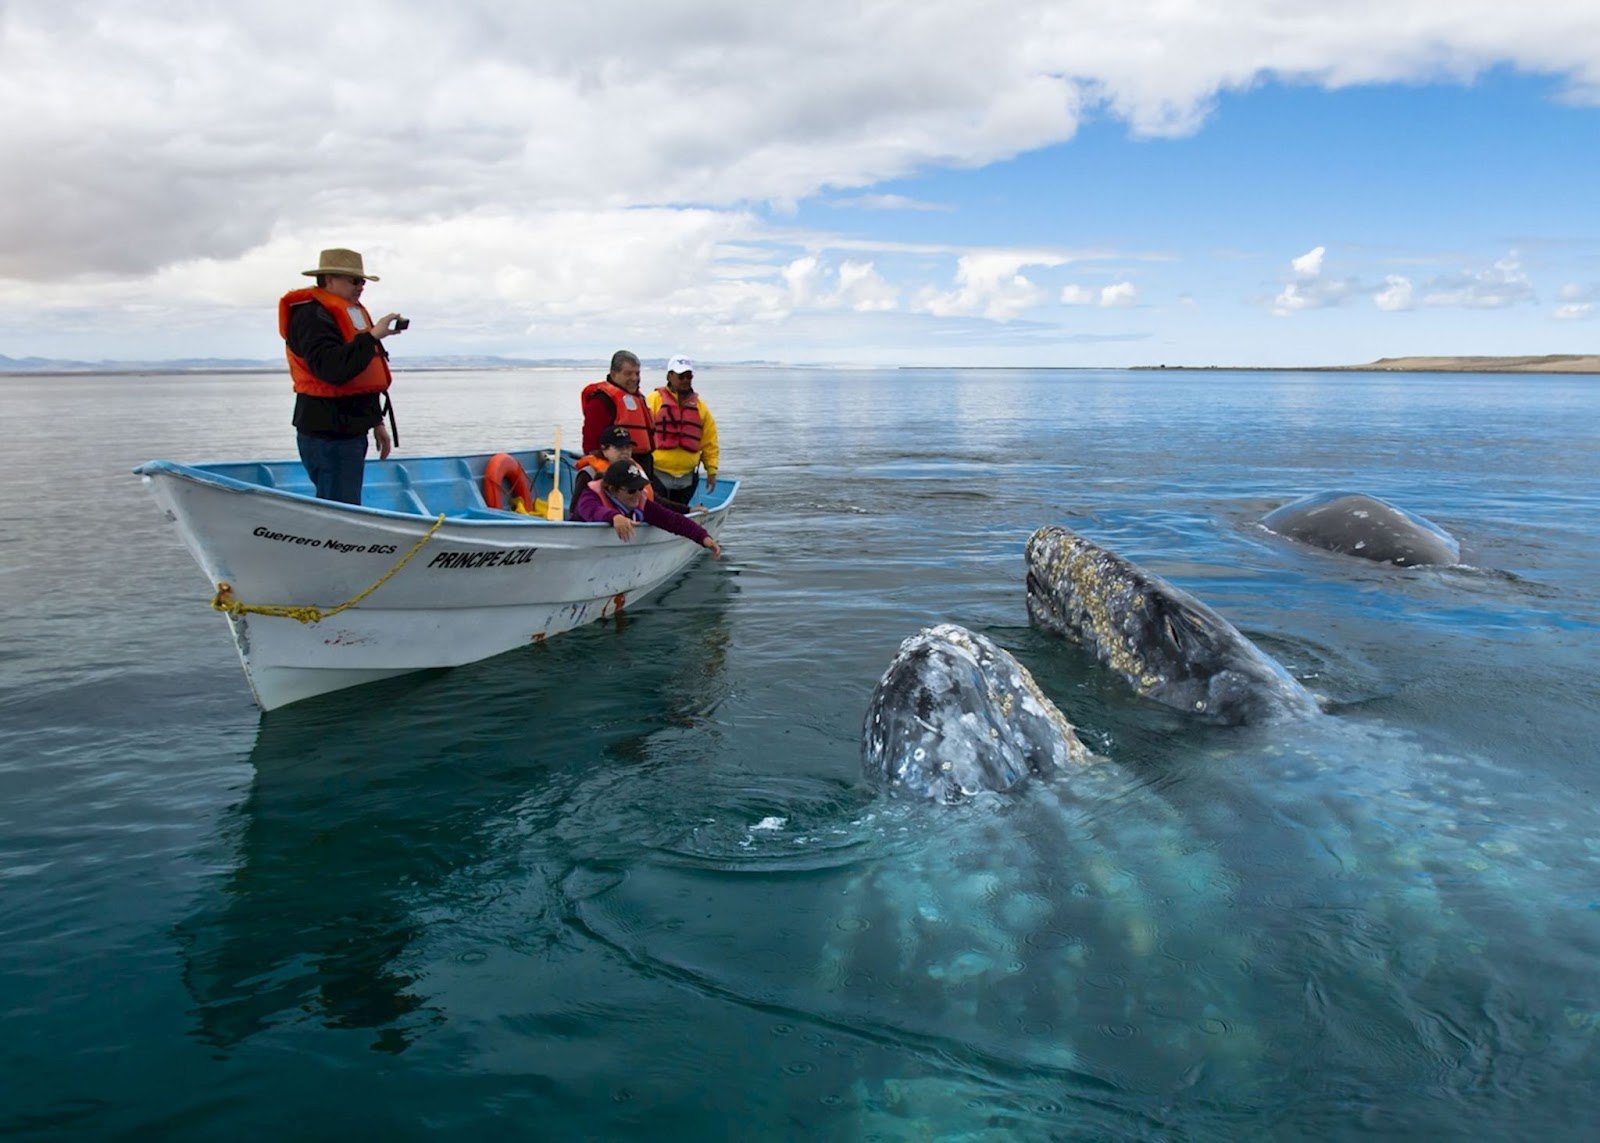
335	465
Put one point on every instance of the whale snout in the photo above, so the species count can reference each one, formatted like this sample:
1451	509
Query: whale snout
955	715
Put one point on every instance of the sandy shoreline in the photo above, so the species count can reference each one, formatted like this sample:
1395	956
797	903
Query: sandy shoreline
1549	363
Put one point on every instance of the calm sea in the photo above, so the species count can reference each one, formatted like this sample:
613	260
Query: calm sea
630	883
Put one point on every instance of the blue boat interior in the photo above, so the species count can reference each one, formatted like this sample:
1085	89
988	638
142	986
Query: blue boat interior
425	486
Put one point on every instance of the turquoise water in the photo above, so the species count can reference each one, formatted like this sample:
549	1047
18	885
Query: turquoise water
630	884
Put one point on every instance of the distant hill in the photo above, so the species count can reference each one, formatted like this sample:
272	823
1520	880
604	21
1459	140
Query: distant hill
402	364
1549	363
185	365
247	365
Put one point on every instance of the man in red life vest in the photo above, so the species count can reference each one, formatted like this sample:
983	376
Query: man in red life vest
340	372
616	400
685	436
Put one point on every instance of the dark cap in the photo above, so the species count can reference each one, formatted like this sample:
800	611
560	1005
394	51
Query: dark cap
616	436
629	477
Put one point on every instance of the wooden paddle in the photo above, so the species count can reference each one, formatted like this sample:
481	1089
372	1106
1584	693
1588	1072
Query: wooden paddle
555	507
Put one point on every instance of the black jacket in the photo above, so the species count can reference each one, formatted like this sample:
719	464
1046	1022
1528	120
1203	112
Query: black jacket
314	338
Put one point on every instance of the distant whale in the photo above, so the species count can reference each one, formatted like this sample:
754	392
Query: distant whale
1170	646
1355	524
955	714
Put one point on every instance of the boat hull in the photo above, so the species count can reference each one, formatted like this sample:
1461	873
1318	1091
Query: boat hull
475	587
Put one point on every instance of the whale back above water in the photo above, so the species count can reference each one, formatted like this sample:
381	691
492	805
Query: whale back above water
1171	647
1355	524
955	715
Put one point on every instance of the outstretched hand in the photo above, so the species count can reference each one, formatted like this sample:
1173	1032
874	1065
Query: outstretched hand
711	545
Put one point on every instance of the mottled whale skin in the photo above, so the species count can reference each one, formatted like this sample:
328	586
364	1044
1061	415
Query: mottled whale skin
955	715
1171	647
1355	524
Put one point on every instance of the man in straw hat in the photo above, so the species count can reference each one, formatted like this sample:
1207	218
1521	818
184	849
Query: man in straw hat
340	372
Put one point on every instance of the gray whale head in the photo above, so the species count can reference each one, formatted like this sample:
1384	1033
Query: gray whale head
1355	524
954	715
1171	647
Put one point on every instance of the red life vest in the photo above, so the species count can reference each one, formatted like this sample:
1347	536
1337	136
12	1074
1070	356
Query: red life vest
375	378
633	413
678	425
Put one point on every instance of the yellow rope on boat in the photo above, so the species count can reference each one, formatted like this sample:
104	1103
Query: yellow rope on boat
224	601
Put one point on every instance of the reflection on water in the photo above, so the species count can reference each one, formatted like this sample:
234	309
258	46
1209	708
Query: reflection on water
364	804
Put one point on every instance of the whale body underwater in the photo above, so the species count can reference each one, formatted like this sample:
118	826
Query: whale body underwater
1355	524
1097	932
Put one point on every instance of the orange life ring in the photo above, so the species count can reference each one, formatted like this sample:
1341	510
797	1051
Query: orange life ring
503	467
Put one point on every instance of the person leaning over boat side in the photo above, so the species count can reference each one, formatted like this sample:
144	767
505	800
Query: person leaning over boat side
616	446
618	498
616	400
685	436
340	372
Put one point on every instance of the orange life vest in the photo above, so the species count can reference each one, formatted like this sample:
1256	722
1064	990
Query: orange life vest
633	413
375	378
596	467
678	424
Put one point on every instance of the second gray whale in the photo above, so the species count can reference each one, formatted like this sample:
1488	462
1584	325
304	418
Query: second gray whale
1355	524
1171	647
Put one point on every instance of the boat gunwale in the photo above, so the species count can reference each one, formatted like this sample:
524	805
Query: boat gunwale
197	473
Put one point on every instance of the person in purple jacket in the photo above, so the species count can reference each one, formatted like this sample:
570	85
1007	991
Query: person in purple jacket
618	499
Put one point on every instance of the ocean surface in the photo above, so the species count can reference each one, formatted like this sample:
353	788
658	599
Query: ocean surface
631	884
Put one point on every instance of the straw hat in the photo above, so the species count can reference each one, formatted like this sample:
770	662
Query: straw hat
340	261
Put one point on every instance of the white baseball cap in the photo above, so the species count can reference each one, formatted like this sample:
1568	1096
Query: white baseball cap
680	364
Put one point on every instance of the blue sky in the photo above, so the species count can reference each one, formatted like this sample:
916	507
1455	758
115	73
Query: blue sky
1023	182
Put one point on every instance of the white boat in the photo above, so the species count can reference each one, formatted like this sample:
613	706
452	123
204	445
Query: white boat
447	579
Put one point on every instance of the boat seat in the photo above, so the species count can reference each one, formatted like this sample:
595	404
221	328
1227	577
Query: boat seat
450	495
391	495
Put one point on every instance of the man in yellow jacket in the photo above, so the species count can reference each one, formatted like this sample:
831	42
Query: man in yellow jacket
685	435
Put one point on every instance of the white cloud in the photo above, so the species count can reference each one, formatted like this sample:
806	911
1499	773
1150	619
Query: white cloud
864	290
1310	290
888	202
140	136
1577	302
560	165
1395	295
1309	264
1119	294
853	285
1502	285
990	283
